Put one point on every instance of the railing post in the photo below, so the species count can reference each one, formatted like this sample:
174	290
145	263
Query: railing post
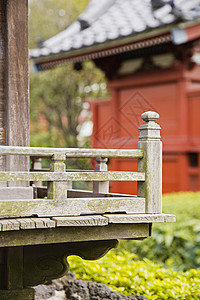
57	190
151	163
101	186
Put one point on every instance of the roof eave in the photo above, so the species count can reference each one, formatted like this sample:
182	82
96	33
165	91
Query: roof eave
145	39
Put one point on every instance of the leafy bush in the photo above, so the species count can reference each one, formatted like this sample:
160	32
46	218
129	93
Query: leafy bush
176	245
122	272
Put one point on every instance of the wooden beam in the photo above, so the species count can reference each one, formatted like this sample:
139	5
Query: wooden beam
71	206
74	234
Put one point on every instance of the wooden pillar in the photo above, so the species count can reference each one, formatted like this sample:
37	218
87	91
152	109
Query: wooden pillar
12	275
2	85
14	98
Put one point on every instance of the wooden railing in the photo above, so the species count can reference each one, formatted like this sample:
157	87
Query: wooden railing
61	200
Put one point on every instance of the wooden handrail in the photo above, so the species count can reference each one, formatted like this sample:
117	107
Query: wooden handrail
75	176
71	152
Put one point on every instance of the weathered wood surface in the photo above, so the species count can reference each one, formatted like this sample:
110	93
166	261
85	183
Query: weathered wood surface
71	206
71	152
7	193
18	294
68	176
14	278
101	166
151	164
140	218
16	82
2	85
73	234
81	221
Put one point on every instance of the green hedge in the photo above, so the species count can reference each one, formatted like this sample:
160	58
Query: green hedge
123	273
175	245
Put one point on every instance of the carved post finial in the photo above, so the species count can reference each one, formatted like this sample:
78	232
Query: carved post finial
150	116
151	163
149	130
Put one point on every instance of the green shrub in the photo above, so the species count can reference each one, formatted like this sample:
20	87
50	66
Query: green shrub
176	245
125	274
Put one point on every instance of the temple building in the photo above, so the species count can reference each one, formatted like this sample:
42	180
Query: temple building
150	53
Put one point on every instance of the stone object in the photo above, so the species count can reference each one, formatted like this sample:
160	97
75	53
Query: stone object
79	290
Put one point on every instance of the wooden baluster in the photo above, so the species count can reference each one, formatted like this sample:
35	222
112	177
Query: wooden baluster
36	165
101	186
57	190
151	163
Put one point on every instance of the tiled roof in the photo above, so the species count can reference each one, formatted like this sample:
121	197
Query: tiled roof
107	21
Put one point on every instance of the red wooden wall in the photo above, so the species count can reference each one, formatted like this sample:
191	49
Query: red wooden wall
175	95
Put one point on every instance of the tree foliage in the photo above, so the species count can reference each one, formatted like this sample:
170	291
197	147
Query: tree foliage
57	95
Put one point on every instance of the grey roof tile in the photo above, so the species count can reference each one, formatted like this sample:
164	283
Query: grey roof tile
108	20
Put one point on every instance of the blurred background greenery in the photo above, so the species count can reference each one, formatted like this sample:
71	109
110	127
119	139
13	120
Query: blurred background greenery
57	95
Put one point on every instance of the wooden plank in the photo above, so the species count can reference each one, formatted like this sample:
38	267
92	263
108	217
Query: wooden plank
7	193
71	206
87	194
81	221
38	223
26	223
71	152
68	176
140	218
74	234
48	223
15	224
7	225
17	83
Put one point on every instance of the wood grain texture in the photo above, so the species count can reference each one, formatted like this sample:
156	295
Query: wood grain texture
72	152
139	218
17	96
73	234
81	221
74	176
7	225
71	206
2	85
151	163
